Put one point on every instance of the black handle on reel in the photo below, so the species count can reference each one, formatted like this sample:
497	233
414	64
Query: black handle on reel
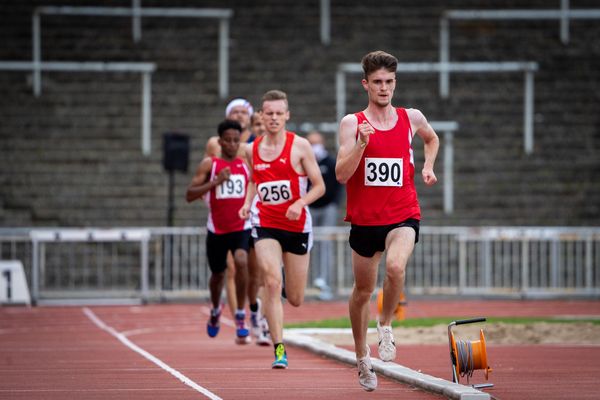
469	321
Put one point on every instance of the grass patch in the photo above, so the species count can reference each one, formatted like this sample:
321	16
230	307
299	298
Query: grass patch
428	322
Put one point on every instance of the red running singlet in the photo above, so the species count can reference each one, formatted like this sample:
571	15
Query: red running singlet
278	186
225	200
382	189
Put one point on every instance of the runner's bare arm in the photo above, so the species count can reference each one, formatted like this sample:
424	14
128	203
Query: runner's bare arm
244	212
242	152
421	127
311	168
213	149
199	185
351	149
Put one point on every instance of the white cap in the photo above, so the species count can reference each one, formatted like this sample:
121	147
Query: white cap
237	103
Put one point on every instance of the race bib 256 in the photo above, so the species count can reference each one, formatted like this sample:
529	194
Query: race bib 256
275	192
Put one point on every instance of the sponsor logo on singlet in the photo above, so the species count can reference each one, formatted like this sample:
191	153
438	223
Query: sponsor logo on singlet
262	167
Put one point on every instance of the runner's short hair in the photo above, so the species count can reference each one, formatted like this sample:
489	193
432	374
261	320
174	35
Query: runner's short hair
228	124
272	95
376	60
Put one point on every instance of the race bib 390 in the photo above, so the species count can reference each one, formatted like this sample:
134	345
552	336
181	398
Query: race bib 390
383	171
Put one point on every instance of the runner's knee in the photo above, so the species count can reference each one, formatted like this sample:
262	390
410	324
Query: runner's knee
394	271
363	293
295	299
272	283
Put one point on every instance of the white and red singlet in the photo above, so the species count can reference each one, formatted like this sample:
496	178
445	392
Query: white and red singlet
278	186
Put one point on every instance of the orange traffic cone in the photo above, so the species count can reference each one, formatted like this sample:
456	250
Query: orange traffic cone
398	311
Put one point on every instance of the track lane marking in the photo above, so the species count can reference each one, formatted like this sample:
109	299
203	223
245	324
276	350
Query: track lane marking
132	346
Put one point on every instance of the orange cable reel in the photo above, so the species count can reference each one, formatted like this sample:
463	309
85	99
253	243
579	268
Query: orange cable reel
466	357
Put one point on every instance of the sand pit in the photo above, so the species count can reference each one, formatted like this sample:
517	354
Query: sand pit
574	333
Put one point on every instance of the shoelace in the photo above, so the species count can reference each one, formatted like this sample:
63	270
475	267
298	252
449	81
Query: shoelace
387	335
214	317
363	367
280	352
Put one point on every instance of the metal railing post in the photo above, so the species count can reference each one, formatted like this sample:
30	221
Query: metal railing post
325	22
555	260
524	265
37	54
448	172
340	89
564	21
444	57
146	113
136	23
341	262
223	58
528	113
144	269
35	273
462	264
589	274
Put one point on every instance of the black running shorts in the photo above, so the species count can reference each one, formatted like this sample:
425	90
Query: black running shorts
291	242
217	247
367	240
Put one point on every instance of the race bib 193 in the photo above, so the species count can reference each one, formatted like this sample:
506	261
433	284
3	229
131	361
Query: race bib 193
383	171
232	188
275	192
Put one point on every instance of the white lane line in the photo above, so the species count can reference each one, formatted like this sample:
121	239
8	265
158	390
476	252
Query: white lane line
205	310
327	331
100	324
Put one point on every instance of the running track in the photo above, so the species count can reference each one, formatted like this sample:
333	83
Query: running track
162	352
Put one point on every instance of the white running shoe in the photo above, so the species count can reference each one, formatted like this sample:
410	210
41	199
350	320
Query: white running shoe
387	345
366	375
264	336
260	327
255	324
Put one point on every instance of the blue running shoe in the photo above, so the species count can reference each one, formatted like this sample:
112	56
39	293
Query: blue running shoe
281	361
242	332
213	325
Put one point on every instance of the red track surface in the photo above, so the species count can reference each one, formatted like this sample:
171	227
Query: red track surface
52	353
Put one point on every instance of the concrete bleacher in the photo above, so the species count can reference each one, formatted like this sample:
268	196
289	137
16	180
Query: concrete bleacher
72	156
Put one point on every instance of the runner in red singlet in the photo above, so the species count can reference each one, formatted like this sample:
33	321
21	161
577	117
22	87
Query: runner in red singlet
282	164
376	162
241	111
222	182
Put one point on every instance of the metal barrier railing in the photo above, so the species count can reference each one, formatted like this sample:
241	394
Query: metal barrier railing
152	264
145	69
136	12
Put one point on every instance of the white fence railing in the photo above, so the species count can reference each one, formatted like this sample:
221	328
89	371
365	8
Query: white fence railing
152	264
